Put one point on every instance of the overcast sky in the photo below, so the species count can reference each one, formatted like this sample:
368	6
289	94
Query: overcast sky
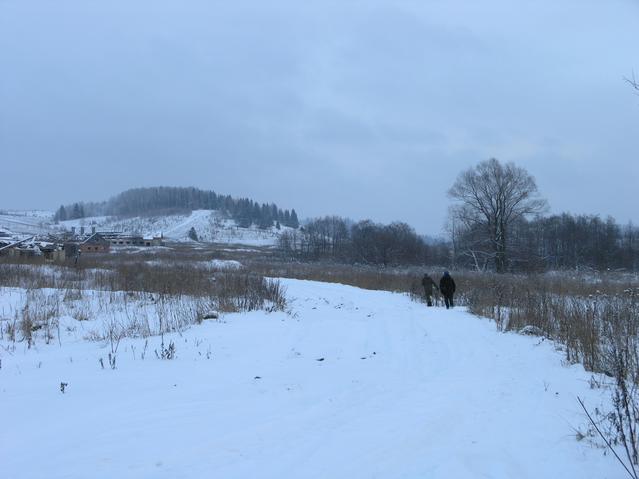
366	109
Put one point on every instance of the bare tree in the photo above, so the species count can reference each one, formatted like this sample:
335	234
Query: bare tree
491	197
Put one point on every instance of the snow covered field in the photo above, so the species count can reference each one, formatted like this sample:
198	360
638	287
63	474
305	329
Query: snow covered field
349	384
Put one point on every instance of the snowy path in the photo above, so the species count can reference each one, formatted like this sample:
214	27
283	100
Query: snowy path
402	392
197	219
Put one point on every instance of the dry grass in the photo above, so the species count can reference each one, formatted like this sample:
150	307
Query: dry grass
582	313
178	293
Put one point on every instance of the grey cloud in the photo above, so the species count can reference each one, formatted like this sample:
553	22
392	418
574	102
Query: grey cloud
361	108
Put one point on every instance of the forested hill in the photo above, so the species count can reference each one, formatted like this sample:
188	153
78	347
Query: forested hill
168	200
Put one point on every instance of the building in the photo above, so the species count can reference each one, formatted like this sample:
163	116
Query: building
123	239
33	248
93	243
53	251
114	238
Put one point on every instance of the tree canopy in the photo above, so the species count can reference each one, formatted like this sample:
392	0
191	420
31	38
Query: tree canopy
490	197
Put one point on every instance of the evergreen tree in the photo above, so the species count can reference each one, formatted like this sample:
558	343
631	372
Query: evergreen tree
265	221
61	214
256	213
294	221
242	213
193	234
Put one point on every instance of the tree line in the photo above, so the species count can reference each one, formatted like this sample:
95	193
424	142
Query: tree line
497	223
338	239
557	242
552	243
170	200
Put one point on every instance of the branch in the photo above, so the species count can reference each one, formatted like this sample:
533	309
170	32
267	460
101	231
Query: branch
634	476
633	82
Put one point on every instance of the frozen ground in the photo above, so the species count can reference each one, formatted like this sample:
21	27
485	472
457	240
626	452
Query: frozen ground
349	384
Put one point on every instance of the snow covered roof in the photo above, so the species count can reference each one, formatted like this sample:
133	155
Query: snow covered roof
94	238
17	243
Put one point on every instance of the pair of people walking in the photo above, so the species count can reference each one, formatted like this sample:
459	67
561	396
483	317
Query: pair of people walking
446	288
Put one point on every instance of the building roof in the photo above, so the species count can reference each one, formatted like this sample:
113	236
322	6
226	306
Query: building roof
16	243
94	238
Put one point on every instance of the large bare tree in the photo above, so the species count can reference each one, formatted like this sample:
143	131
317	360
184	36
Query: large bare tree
490	198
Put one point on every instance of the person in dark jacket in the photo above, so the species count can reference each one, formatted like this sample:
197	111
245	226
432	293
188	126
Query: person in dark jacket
447	288
429	284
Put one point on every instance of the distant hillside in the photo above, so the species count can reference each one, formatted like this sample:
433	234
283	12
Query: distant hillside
167	200
25	222
203	225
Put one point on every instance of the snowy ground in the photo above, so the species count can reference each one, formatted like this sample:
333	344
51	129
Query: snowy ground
349	384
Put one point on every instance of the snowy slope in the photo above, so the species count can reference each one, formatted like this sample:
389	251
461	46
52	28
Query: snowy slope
26	222
208	224
350	384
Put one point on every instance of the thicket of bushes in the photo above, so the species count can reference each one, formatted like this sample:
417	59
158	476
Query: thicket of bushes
246	289
167	296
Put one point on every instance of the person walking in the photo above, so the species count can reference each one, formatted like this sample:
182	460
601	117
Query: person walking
447	288
428	284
